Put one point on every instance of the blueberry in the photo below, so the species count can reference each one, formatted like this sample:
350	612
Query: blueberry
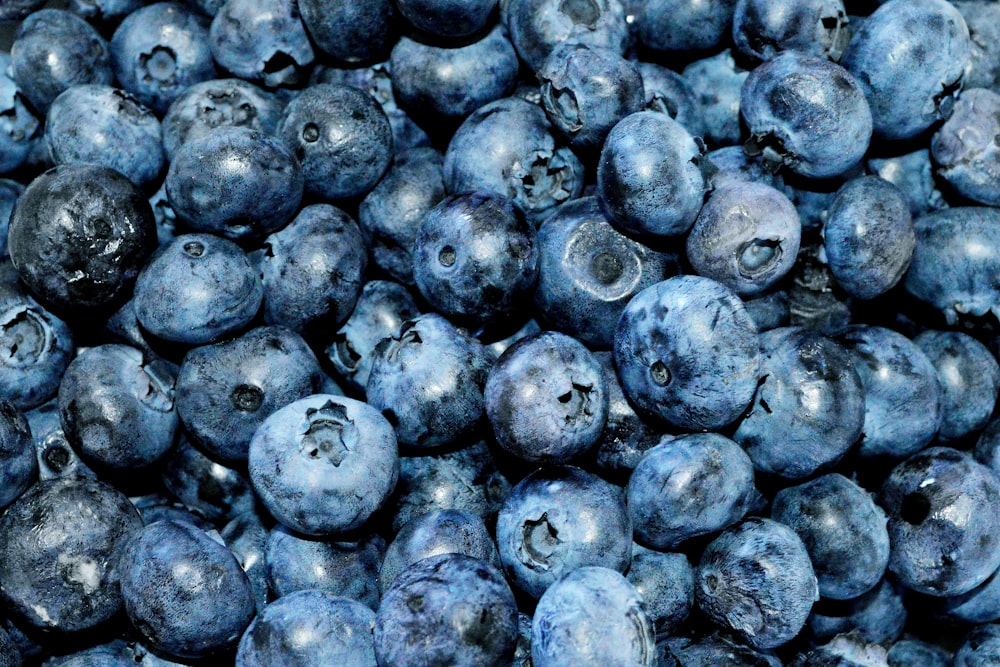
809	408
746	237
341	136
202	484
53	50
848	650
666	583
59	546
246	537
197	289
806	113
159	567
687	351
475	258
717	83
449	609
902	395
318	627
983	20
678	26
670	93
763	29
557	520
980	605
537	27
588	271
235	182
913	175
981	647
56	458
312	270
159	51
346	569
716	651
261	40
323	464
79	236
19	126
436	532
18	465
916	653
649	176
941	504
876	616
581	611
428	379
868	237
117	407
546	399
756	580
965	147
909	58
352	32
225	390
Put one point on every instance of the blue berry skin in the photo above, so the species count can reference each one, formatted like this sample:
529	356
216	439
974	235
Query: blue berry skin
323	464
809	408
160	50
309	629
666	583
446	84
341	136
312	270
98	124
18	125
592	616
261	41
217	491
913	174
676	26
746	237
522	652
649	176
806	113
18	465
54	50
588	272
902	395
717	83
428	379
16	10
35	345
987	449
983	20
848	650
447	18
670	93
465	479
158	569
876	616
557	520
688	486
916	653
507	147
235	182
762	29
980	605
756	580
203	106
437	532
963	148
117	407
731	164
377	82
537	27
225	390
79	235
105	12
770	310
626	436
586	90
449	609
868	237
246	537
909	57
475	259
969	379
157	507
59	546
10	654
353	32
956	262
391	213
981	647
381	309
942	506
546	399
197	289
715	651
56	458
346	569
688	352
843	530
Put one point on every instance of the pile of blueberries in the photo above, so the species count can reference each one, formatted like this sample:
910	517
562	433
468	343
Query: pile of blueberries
500	333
